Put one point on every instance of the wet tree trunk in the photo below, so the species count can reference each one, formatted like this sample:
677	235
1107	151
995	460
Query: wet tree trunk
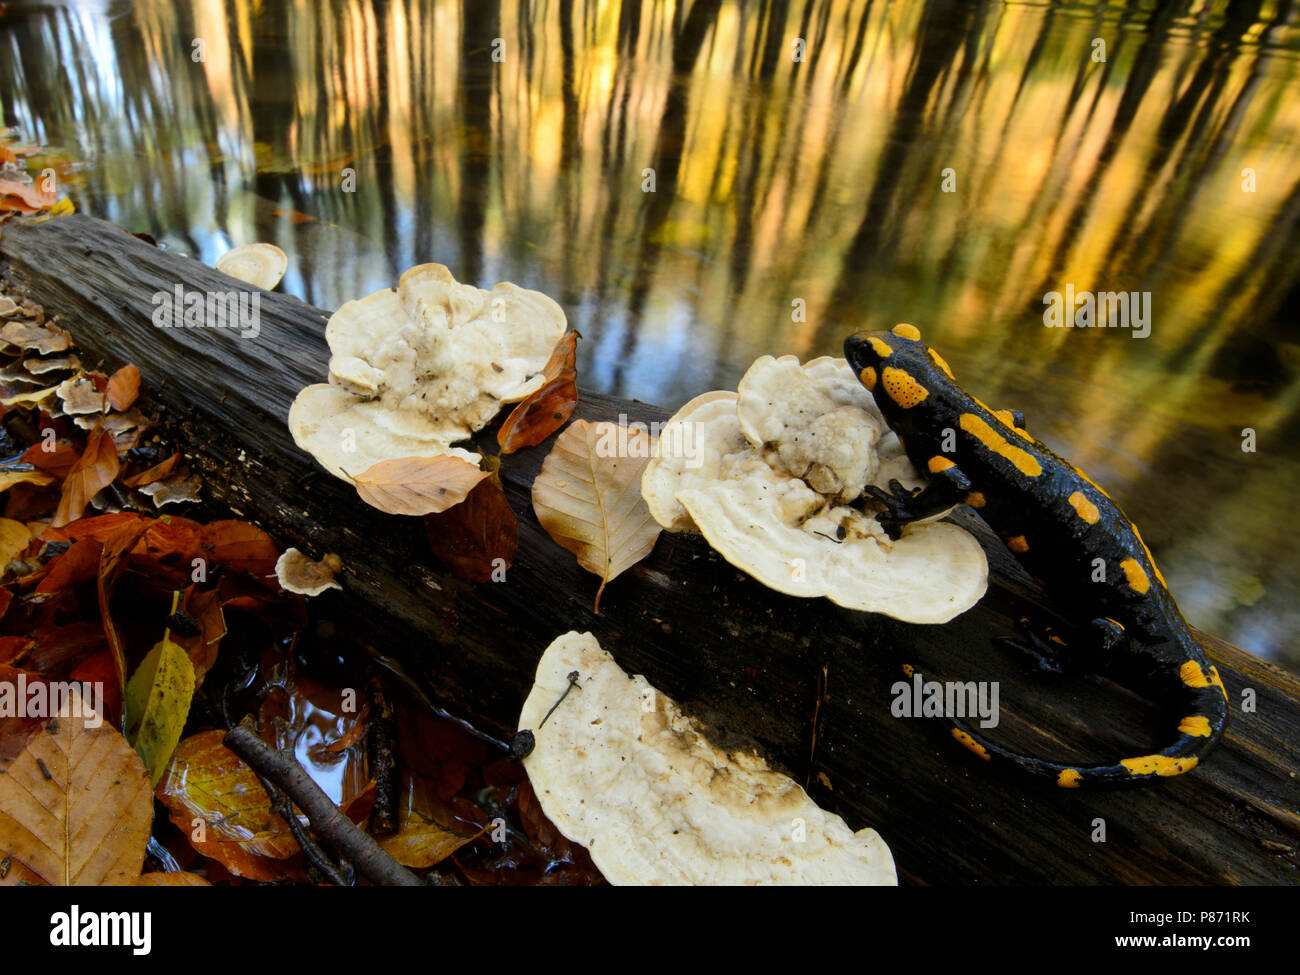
808	683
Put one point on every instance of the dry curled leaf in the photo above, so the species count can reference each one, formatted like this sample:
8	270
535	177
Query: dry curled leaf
588	497
93	472
417	485
57	458
155	473
75	804
478	538
123	387
545	411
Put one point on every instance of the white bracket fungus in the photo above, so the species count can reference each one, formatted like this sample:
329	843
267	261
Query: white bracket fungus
769	480
415	370
618	768
261	265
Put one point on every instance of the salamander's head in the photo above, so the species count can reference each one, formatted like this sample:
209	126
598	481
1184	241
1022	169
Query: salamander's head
897	367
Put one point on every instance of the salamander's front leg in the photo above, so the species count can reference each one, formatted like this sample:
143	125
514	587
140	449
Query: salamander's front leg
947	488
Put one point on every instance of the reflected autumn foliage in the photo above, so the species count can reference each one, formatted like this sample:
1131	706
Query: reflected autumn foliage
701	183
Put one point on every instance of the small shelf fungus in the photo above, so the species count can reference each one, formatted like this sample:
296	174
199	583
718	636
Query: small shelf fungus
261	265
773	476
618	768
414	370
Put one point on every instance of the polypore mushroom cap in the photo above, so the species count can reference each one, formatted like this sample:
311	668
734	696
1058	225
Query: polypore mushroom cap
414	370
261	265
768	481
620	769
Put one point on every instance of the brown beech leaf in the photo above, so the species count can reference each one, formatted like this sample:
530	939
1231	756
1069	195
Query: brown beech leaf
75	804
58	461
470	537
155	473
206	781
588	497
93	472
239	545
427	832
178	878
123	388
545	411
417	485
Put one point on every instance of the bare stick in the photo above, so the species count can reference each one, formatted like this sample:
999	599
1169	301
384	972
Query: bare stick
369	858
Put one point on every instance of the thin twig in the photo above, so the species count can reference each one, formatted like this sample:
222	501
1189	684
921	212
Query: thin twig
370	859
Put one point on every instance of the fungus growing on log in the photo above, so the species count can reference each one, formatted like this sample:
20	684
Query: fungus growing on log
414	370
620	769
772	476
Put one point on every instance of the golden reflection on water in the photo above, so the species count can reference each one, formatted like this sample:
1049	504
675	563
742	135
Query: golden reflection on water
516	141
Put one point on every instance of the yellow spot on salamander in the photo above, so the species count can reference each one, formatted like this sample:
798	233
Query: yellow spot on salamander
1136	575
1218	681
968	742
1149	556
1196	724
1057	640
1024	461
939	361
906	331
902	388
1193	676
1085	508
868	377
1069	778
1007	417
908	670
1091	481
975	499
1017	543
938	464
1159	765
881	347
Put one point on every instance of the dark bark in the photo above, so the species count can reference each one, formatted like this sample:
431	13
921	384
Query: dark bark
759	667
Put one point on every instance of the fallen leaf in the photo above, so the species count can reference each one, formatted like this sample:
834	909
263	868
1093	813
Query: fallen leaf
217	801
545	410
470	537
426	831
111	560
9	478
155	473
158	699
14	539
588	497
84	817
77	564
204	608
123	387
94	471
176	878
239	545
57	461
32	197
417	485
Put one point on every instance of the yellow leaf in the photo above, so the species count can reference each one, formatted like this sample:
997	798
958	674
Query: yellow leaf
588	497
417	485
75	804
158	699
9	478
14	537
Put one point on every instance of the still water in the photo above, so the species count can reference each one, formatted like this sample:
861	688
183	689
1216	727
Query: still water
699	184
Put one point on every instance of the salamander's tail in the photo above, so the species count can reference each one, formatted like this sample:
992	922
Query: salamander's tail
1198	731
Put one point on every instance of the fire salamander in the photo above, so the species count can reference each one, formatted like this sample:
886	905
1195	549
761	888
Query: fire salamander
1063	528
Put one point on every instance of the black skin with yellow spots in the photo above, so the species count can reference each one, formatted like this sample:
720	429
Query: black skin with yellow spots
1058	524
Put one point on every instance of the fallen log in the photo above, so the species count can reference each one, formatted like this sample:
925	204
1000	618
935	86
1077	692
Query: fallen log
806	682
